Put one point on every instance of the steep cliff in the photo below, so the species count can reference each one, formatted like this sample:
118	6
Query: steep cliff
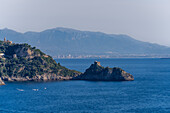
21	62
98	73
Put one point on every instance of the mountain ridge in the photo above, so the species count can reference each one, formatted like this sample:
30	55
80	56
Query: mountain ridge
67	41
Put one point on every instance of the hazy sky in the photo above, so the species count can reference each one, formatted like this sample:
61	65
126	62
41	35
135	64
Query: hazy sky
146	20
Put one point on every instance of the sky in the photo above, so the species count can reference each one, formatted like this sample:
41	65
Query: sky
145	20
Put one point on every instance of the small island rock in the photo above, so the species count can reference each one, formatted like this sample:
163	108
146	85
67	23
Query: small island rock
98	73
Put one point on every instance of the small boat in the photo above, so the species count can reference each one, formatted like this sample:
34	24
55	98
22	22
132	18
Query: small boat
35	89
20	89
45	88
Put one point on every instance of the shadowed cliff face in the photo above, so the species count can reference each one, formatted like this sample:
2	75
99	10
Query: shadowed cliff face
98	73
21	62
22	50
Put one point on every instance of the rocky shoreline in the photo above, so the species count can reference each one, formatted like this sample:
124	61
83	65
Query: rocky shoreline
35	78
94	73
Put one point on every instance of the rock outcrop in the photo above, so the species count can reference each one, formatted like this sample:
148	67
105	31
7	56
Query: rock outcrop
98	73
21	62
1	82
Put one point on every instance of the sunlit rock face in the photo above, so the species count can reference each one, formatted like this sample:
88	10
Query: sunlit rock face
1	82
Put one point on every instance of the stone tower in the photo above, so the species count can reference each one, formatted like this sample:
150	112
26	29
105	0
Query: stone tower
97	63
4	39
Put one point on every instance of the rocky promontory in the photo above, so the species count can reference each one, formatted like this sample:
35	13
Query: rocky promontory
21	62
96	72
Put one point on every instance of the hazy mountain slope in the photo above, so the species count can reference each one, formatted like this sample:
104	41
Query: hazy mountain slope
63	41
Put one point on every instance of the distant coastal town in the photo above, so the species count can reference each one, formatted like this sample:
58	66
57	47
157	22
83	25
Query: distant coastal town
69	56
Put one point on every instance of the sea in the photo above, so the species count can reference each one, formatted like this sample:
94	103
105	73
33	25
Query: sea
148	93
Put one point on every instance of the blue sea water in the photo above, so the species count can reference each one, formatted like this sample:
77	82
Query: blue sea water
149	93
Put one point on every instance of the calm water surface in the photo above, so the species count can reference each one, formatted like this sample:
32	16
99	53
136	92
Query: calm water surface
149	93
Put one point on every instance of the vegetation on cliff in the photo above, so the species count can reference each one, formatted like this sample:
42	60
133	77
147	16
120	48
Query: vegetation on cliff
22	60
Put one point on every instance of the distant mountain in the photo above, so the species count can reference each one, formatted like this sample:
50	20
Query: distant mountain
64	41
